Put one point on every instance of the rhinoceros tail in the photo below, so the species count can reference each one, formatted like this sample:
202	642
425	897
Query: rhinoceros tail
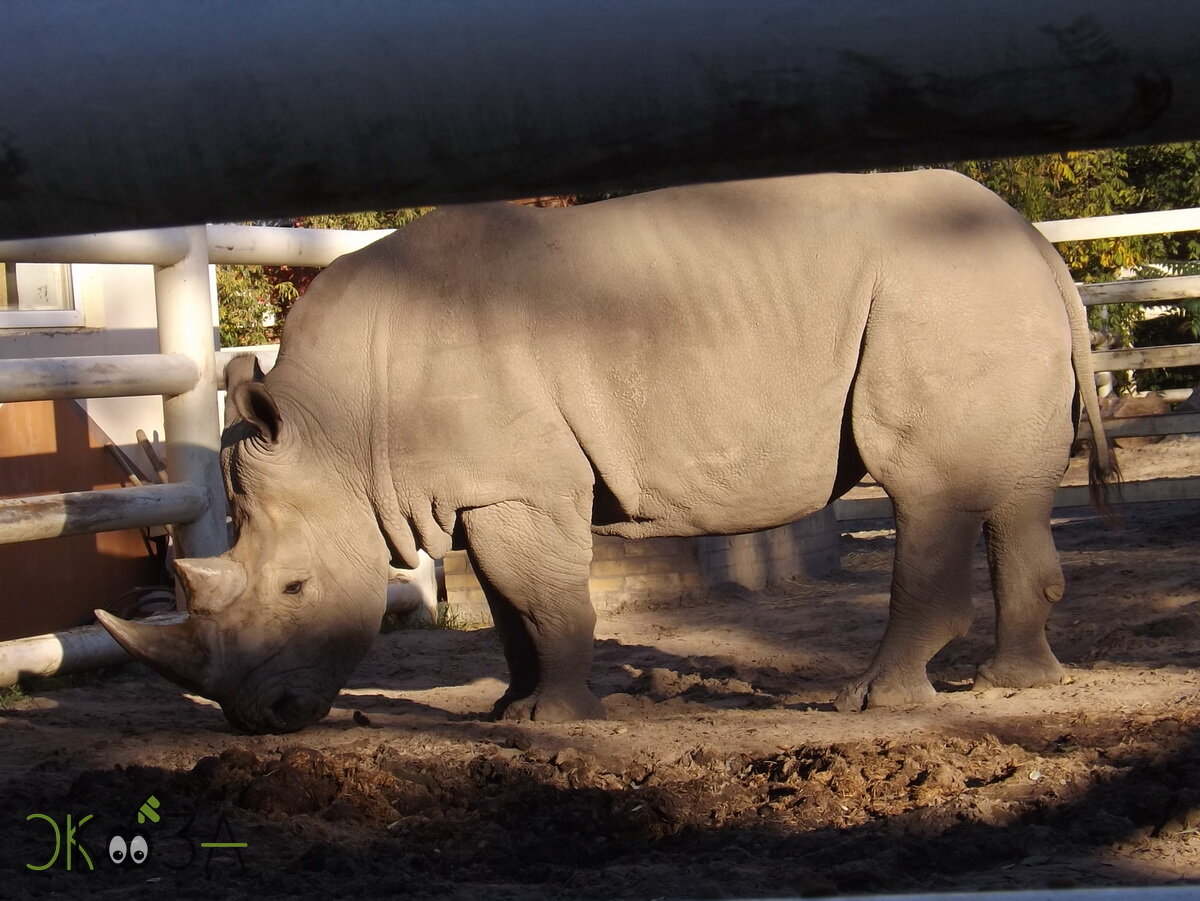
1103	471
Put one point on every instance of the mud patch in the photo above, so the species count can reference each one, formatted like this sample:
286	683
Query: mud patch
878	815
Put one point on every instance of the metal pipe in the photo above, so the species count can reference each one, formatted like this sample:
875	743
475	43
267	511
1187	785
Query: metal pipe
85	512
199	112
272	246
160	246
191	422
264	245
109	376
68	651
414	592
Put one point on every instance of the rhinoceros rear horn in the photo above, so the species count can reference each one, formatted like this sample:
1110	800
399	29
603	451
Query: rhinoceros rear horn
176	651
210	583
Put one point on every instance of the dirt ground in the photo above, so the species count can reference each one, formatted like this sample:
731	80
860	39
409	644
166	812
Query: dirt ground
722	770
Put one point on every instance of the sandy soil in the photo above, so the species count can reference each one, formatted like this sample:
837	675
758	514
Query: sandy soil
722	770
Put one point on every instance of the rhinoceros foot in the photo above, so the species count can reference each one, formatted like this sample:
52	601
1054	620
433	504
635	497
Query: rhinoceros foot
884	691
1019	673
549	706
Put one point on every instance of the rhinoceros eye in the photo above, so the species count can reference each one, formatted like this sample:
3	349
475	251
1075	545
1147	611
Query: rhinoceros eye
294	587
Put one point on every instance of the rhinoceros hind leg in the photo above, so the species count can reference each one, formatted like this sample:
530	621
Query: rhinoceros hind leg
1027	581
930	605
533	567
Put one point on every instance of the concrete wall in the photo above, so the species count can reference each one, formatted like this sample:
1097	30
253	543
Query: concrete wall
668	568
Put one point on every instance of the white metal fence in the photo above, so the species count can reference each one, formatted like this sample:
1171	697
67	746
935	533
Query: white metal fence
189	370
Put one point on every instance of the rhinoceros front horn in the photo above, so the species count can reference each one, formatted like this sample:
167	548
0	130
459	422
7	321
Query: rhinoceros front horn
176	650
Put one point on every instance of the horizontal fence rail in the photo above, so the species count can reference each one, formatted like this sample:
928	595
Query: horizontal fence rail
1121	225
129	375
277	246
1168	289
1163	357
273	246
1143	492
161	247
68	651
84	512
1145	426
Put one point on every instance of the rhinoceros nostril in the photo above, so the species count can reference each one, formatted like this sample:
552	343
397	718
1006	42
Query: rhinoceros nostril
276	709
295	710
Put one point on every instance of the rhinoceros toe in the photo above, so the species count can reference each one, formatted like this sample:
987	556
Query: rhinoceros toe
1020	673
882	691
552	707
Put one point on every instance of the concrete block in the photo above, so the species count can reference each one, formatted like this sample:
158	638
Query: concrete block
461	582
674	563
470	605
654	586
605	547
611	585
655	547
709	544
621	567
749	573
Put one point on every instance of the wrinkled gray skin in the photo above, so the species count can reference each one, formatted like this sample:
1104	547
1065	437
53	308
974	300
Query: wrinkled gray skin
701	360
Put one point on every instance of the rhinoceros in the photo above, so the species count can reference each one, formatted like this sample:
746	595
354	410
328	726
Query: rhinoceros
698	360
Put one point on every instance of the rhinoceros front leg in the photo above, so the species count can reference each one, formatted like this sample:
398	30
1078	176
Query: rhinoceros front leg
930	605
533	566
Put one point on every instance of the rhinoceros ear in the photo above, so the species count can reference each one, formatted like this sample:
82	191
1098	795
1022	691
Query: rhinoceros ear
256	406
242	368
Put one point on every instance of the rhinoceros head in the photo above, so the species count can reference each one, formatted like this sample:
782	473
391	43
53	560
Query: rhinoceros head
277	623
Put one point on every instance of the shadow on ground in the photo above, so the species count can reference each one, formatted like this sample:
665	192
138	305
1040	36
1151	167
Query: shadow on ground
1027	809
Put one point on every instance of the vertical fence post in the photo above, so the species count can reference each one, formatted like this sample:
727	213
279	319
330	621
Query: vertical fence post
191	420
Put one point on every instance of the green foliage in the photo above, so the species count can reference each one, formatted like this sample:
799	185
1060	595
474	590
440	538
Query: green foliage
364	221
1187	310
253	301
246	307
12	697
446	619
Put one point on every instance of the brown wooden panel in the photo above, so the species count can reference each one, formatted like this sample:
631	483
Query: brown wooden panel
47	446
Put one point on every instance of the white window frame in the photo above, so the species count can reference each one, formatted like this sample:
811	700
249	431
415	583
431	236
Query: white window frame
72	318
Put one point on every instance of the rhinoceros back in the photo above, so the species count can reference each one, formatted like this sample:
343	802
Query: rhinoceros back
692	350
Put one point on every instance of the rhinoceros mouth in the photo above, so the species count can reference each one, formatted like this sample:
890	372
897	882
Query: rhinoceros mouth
276	708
